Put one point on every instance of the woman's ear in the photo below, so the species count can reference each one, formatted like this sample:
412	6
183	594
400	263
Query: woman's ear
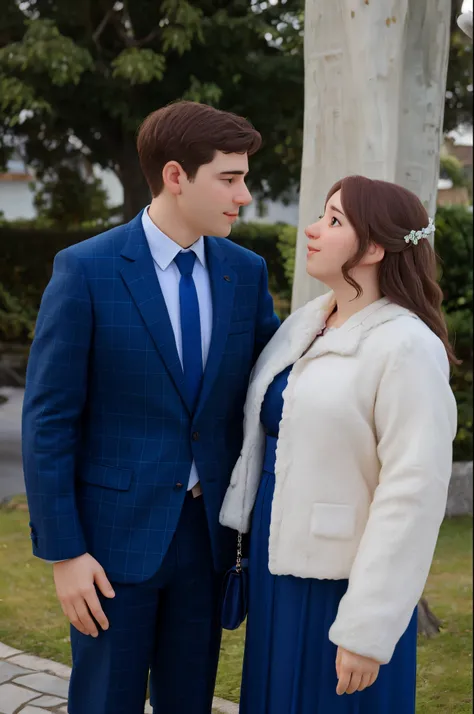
375	254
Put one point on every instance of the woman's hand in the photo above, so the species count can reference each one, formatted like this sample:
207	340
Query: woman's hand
354	672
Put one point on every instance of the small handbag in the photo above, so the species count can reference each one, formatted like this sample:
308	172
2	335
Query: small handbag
235	592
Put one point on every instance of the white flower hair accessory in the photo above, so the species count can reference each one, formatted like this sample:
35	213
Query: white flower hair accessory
415	236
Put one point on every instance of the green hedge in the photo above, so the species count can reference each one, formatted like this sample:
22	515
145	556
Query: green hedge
27	258
28	254
454	245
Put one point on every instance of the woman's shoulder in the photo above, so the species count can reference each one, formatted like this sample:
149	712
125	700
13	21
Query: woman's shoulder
408	337
311	313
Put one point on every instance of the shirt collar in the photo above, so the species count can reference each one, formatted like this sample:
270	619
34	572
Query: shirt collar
163	249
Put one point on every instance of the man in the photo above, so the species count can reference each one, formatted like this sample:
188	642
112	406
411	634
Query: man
132	422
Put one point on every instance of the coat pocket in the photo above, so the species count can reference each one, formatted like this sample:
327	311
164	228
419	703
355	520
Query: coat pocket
333	520
107	476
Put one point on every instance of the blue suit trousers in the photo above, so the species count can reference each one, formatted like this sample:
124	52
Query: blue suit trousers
167	626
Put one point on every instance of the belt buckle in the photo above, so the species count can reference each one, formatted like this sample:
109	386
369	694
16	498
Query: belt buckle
197	490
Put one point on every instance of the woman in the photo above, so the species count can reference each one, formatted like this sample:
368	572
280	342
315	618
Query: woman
345	465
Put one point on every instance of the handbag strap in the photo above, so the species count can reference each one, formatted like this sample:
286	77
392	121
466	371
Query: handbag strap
238	565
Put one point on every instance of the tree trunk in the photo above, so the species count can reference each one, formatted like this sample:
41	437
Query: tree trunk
136	194
422	98
375	78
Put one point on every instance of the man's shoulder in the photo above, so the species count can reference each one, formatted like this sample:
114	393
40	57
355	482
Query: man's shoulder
109	243
237	254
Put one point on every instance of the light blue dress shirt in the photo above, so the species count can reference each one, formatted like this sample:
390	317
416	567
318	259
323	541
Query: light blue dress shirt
164	250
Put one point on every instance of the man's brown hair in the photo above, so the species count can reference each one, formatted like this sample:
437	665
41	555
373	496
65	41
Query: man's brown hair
190	133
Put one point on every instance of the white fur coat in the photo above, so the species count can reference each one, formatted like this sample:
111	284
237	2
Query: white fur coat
363	462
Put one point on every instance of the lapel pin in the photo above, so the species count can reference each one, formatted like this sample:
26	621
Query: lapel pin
227	278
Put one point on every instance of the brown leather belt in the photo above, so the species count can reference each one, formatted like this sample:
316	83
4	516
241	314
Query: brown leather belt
197	490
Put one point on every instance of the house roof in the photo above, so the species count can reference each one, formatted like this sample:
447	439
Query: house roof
462	136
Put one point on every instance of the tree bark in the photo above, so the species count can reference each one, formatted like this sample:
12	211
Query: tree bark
422	98
375	78
136	194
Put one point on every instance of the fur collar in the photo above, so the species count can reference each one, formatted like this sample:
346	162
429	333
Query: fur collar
297	337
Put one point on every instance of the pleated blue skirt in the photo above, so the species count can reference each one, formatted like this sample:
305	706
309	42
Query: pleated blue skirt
289	662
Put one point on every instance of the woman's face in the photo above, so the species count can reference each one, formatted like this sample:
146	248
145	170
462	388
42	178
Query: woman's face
332	242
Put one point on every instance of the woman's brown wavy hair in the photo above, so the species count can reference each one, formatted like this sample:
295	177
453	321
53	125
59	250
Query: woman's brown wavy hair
384	213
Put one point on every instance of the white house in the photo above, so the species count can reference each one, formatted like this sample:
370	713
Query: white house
16	197
16	190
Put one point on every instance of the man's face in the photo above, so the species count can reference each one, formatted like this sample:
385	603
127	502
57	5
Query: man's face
210	203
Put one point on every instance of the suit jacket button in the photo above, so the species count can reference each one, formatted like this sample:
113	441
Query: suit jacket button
178	486
195	436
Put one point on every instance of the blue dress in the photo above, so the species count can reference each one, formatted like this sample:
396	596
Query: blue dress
289	662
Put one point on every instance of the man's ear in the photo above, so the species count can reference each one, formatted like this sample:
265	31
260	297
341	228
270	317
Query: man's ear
173	173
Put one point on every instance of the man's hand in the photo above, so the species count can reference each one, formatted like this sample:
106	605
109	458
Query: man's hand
354	672
75	582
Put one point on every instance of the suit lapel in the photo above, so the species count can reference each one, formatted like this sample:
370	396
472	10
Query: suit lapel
139	275
223	281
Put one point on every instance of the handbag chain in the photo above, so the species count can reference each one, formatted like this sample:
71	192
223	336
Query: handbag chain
238	565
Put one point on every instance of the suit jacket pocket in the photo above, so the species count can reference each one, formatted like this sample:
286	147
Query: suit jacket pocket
333	520
107	476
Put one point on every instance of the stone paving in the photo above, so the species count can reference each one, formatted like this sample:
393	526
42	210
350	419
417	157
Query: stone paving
32	685
11	471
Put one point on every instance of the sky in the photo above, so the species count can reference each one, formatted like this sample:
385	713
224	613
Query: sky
467	5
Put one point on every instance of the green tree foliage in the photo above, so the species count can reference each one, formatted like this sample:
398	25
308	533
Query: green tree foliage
458	108
67	199
95	70
451	167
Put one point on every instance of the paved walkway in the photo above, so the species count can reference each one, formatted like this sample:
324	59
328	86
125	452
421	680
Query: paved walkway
11	471
31	685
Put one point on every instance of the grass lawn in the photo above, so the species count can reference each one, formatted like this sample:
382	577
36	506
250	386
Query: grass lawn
31	619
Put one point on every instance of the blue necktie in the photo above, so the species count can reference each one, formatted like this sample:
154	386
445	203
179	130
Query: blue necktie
190	326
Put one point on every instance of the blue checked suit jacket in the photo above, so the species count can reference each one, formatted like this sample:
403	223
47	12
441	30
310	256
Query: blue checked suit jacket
108	438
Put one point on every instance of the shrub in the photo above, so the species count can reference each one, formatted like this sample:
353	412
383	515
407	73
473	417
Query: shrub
17	318
28	257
